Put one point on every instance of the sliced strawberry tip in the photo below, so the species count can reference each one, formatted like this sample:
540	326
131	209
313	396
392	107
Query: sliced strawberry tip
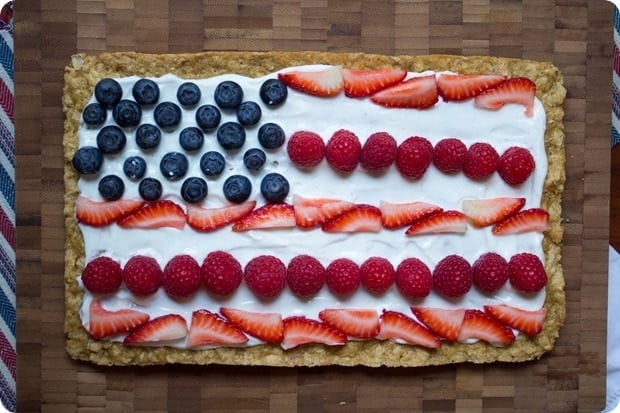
156	214
207	328
362	218
396	326
485	212
210	219
268	216
166	328
399	215
325	82
529	220
440	223
301	330
359	323
312	212
98	214
360	83
526	321
105	323
418	93
444	322
264	326
518	90
478	325
456	87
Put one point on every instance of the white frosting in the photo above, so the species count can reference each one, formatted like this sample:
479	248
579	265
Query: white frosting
504	128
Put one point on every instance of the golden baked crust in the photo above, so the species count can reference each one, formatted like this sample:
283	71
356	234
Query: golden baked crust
80	79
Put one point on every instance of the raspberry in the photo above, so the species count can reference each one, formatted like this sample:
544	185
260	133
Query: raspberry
181	276
142	275
527	273
342	276
413	278
481	161
305	275
449	155
516	165
305	149
265	276
102	275
490	272
377	275
452	276
343	151
221	273
378	152
413	157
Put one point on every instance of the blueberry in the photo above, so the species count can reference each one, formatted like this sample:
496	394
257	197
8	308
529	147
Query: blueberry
237	188
87	160
273	92
111	139
148	136
111	187
167	115
254	159
274	187
228	95
188	94
127	113
231	135
145	92
194	189
248	113
134	167
94	115
191	138
173	165
208	117
108	92
150	189
271	136
212	163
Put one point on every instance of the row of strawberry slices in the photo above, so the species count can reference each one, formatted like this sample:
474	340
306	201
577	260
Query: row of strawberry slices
231	327
390	88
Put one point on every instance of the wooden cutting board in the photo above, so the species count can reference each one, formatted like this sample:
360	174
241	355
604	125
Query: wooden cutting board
576	35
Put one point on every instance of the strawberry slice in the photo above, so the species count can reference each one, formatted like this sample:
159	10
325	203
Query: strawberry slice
156	214
301	330
268	216
445	323
526	321
529	220
397	326
210	219
264	326
326	82
360	83
104	323
362	218
168	327
207	328
514	90
398	215
484	212
439	223
478	325
418	92
462	87
98	214
311	212
352	322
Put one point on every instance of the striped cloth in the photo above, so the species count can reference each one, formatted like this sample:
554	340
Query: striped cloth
615	89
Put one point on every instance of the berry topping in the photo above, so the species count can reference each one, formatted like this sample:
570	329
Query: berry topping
142	275
150	189
439	223
413	157
134	167
274	187
377	275
360	83
237	188
148	136
111	139
208	117
301	330
221	273
168	327
104	323
517	90
207	328
343	151
490	272
305	275
477	324
87	160
212	163
267	216
231	135
188	94
360	218
167	115
145	92
94	115
452	276
194	189
484	212
210	219
98	214
418	92
311	212
413	278
181	276
108	92
443	322
516	165
449	155
273	92
529	220
527	273
378	152
526	321
397	326
111	187
271	136
173	166
399	215
462	87
156	214
481	161
191	138
102	276
127	113
264	326
254	159
356	323
305	149
228	95
248	113
325	82
342	276
265	276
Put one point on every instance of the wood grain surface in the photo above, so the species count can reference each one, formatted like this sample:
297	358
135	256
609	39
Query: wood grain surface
576	35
